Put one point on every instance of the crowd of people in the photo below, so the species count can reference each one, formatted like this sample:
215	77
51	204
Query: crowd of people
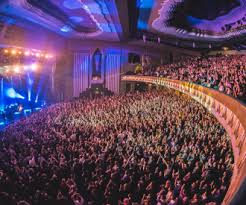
225	73
153	148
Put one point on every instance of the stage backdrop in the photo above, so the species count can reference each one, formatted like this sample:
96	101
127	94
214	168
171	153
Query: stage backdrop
81	73
113	65
110	68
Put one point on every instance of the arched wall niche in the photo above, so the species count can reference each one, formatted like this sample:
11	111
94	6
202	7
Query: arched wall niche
97	64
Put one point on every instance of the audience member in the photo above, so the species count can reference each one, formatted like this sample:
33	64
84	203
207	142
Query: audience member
224	73
157	147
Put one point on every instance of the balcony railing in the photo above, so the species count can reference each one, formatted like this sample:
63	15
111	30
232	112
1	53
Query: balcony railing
230	113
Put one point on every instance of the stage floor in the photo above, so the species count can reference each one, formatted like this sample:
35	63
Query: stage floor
15	117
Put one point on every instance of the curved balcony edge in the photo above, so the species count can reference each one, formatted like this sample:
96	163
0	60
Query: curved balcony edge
229	112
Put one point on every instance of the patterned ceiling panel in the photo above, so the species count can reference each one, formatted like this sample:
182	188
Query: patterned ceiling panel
199	19
96	19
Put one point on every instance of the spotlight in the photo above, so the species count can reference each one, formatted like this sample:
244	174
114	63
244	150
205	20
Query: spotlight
34	66
27	53
17	69
48	56
17	95
36	99
30	81
6	51
19	52
29	95
13	52
11	93
25	67
37	54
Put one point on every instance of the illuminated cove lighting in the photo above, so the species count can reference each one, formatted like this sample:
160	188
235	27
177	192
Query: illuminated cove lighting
72	4
145	7
76	19
145	4
65	29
